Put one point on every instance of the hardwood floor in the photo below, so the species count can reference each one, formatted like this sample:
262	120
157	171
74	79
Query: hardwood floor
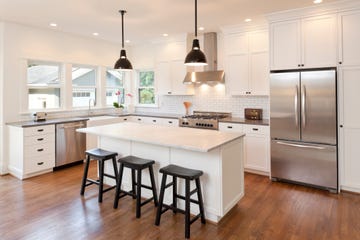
50	207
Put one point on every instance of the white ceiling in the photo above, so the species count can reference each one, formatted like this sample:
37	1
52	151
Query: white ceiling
144	20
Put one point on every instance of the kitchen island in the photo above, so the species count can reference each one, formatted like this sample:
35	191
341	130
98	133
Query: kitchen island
219	155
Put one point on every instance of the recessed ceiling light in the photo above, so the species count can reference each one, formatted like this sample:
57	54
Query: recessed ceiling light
201	28
96	34
317	1
127	41
165	34
248	20
53	25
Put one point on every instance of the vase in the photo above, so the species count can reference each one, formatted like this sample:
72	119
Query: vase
118	110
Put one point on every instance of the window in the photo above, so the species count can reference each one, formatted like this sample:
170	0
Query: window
84	85
114	84
43	82
146	91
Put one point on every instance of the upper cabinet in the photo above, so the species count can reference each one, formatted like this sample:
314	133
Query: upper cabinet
247	70
170	70
304	43
349	38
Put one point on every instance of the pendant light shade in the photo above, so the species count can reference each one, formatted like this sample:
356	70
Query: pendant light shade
195	57
123	63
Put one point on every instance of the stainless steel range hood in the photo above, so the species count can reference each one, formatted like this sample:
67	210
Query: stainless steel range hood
210	74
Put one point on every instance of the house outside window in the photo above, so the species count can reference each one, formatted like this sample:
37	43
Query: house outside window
44	85
114	84
146	87
84	85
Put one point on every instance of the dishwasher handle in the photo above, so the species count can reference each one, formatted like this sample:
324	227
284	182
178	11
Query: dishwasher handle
71	125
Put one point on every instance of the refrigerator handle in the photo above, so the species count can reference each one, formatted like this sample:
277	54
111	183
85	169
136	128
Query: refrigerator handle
296	98
303	107
301	146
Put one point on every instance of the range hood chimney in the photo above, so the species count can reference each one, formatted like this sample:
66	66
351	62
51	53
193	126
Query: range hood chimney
210	73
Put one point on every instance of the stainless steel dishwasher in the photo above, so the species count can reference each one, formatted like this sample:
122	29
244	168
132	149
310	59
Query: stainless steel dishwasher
70	145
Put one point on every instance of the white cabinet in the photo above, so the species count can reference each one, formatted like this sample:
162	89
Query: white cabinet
349	131
170	69
304	43
247	63
32	150
156	120
257	145
349	38
169	77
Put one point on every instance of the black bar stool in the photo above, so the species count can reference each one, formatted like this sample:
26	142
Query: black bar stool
187	174
138	164
101	156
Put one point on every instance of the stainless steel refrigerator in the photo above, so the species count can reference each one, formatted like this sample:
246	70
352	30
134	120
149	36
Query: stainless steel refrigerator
303	127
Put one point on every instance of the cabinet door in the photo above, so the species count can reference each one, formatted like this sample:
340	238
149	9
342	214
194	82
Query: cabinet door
259	80
236	44
285	45
257	153
238	74
349	50
162	78
319	36
177	75
349	134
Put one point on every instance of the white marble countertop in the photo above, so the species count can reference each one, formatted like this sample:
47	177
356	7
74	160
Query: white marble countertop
177	137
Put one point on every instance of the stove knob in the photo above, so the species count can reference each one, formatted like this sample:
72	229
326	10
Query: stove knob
211	125
187	123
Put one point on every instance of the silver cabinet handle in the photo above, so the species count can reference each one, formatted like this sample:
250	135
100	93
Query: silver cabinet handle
300	146
296	98
303	107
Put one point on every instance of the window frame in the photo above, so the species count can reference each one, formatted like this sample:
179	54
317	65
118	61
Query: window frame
137	89
95	86
59	86
121	88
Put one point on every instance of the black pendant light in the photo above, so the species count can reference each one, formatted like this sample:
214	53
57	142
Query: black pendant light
123	63
195	57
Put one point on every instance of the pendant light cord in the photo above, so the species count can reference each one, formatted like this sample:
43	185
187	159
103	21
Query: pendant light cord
122	27
195	18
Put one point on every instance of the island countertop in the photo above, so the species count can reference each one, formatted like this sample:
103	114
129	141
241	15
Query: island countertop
184	138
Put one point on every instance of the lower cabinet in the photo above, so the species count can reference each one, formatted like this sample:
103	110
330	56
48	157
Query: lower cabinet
257	146
32	150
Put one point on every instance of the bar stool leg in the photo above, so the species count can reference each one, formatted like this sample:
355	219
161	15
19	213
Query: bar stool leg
133	182
161	200
174	194
187	208
118	185
86	169
153	186
101	179
200	199
115	169
138	194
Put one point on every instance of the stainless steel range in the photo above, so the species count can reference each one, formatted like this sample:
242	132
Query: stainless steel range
200	119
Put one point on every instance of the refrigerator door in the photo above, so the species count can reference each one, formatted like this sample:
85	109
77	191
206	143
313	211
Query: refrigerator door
318	106
285	105
313	164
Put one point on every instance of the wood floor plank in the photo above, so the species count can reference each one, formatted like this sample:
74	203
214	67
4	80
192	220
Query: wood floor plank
50	207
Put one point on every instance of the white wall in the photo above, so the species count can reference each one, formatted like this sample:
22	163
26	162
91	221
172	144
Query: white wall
22	42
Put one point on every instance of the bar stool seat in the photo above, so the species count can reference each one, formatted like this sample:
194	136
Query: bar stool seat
136	164
101	156
187	174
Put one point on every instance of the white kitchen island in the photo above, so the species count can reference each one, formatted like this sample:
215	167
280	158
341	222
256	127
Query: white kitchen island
218	154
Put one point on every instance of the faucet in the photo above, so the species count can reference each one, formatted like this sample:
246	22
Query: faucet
94	103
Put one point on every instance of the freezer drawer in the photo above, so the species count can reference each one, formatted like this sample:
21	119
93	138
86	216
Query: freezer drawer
312	164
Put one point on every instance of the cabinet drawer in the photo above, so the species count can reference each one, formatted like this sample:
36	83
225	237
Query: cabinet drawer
40	130
39	150
39	139
257	129
230	127
36	164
